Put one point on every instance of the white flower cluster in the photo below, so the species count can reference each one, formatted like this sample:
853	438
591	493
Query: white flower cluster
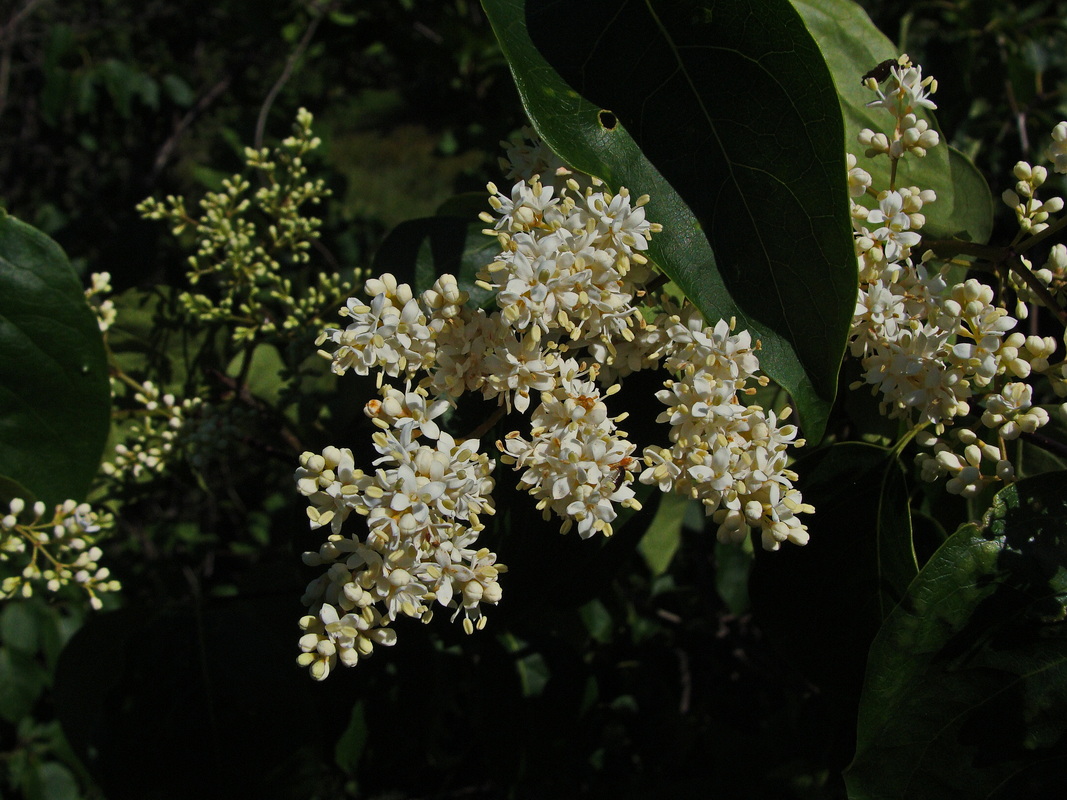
423	506
152	434
568	283
930	348
731	457
61	550
104	309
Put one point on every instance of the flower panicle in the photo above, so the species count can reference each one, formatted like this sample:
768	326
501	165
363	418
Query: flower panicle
569	318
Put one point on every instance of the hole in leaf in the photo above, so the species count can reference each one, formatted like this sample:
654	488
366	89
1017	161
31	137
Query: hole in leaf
608	121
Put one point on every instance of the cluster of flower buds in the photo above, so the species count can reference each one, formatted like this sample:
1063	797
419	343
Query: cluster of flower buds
53	551
152	434
937	352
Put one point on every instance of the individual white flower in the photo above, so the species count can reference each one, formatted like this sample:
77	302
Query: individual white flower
390	334
516	367
1011	413
894	234
906	90
330	637
859	180
617	222
531	205
398	409
1058	148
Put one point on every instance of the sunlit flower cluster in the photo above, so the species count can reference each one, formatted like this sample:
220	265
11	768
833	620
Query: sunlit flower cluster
571	319
53	551
938	353
730	456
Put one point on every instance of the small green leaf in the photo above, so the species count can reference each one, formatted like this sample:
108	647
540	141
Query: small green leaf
419	250
53	781
664	535
725	114
19	627
966	687
597	620
22	680
55	399
353	741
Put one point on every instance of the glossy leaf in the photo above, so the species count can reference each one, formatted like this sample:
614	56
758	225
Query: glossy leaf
724	114
852	46
55	400
966	687
860	551
419	250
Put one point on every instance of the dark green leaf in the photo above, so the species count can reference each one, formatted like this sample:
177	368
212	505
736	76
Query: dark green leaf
19	627
597	620
725	115
852	45
858	550
10	489
265	378
353	741
53	781
22	680
966	688
732	567
419	250
55	400
664	535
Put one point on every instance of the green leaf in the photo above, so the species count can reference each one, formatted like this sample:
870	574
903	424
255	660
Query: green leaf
55	400
821	604
266	374
966	687
19	627
852	46
664	535
725	114
419	250
52	781
597	620
22	680
732	567
353	741
530	665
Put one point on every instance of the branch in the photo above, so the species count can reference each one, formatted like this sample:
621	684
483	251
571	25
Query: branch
7	40
290	65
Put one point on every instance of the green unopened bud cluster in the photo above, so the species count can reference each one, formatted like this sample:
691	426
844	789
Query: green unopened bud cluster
251	245
53	552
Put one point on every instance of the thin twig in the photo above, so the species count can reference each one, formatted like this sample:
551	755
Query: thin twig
7	41
1045	443
484	428
290	65
168	147
1038	288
